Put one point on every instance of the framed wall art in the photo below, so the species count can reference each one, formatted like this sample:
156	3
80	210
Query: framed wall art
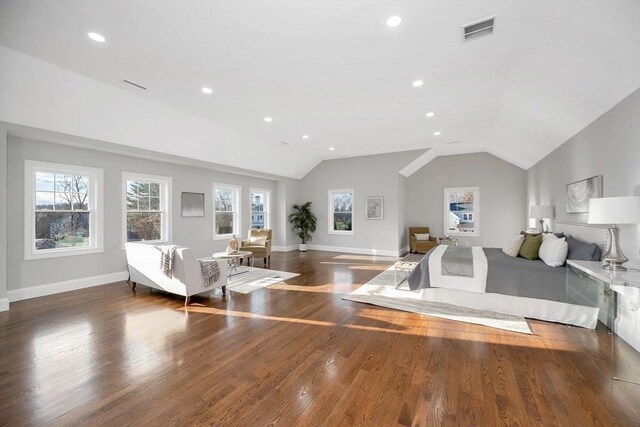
374	207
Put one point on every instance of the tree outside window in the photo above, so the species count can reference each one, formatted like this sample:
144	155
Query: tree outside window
341	211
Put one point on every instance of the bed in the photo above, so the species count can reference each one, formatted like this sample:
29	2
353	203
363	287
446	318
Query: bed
499	283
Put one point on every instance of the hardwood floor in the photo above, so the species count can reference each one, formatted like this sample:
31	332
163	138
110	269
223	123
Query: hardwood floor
293	354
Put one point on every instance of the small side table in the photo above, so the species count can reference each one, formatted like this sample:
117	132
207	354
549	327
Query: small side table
589	284
447	241
233	259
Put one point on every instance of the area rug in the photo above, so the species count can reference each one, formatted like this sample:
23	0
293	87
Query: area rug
245	280
381	291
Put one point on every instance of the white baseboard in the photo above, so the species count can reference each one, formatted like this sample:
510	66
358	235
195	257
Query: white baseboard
68	285
362	251
627	333
284	248
4	304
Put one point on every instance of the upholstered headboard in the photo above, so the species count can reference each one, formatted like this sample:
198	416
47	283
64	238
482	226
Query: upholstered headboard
586	232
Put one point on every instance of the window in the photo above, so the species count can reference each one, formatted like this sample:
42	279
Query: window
147	212
461	207
260	204
341	212
63	204
226	209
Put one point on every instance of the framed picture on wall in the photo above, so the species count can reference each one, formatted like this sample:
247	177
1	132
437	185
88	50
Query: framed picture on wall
192	204
579	193
461	211
374	207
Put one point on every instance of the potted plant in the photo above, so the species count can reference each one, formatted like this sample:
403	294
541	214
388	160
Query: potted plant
304	223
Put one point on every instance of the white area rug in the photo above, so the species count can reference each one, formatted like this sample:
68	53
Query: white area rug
381	291
248	279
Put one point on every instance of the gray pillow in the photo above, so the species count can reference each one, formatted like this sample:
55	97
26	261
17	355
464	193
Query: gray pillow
583	251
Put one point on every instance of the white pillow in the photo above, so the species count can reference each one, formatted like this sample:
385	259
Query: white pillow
260	241
553	251
422	236
513	247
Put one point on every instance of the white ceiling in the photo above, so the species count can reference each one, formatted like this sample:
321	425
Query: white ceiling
335	71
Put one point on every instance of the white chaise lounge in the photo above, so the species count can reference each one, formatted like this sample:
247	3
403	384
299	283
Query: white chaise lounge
144	269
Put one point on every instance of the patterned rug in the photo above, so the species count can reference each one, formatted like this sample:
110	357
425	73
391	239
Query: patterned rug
382	291
245	280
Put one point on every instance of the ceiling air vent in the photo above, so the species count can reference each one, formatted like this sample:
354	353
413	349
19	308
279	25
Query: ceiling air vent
477	29
129	82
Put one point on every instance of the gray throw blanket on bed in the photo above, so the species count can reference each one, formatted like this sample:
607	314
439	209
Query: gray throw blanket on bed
168	253
457	261
210	271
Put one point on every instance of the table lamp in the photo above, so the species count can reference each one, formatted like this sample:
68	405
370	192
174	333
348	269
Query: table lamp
614	210
541	212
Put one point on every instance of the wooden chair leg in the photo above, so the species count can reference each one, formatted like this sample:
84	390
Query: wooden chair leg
133	286
224	290
186	300
265	261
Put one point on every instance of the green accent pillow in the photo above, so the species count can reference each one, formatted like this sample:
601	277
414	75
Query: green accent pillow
531	246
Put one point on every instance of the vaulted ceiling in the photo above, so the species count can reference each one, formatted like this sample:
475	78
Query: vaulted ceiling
336	72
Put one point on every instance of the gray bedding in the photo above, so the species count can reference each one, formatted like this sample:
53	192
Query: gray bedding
508	276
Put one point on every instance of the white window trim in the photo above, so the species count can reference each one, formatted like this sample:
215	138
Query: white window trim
96	225
267	204
165	198
476	211
353	212
237	219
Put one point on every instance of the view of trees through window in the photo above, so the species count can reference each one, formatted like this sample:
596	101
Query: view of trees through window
61	210
144	212
342	211
225	213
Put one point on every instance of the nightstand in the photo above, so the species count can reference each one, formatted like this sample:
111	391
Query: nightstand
617	294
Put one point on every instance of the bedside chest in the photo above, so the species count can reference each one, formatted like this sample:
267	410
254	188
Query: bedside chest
618	295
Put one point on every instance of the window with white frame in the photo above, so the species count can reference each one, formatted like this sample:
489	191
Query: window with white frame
63	204
260	207
461	206
341	212
147	208
226	211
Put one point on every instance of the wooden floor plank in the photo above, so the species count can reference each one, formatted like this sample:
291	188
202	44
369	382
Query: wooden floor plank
294	354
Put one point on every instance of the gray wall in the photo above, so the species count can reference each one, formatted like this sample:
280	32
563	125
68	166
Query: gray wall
3	218
368	176
287	193
195	233
403	189
609	146
502	195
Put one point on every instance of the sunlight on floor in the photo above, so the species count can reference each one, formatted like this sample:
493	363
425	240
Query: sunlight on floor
428	327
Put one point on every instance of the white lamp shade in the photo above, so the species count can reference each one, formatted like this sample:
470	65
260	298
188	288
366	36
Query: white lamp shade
614	210
541	211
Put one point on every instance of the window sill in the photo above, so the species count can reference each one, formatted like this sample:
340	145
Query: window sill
342	233
30	256
224	236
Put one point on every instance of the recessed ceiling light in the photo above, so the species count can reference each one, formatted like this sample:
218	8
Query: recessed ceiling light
437	133
268	119
97	37
332	148
394	21
430	114
305	136
417	83
207	90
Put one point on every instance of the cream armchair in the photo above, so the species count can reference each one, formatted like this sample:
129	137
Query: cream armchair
259	243
416	245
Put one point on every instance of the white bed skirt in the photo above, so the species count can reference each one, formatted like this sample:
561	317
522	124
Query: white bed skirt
551	311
